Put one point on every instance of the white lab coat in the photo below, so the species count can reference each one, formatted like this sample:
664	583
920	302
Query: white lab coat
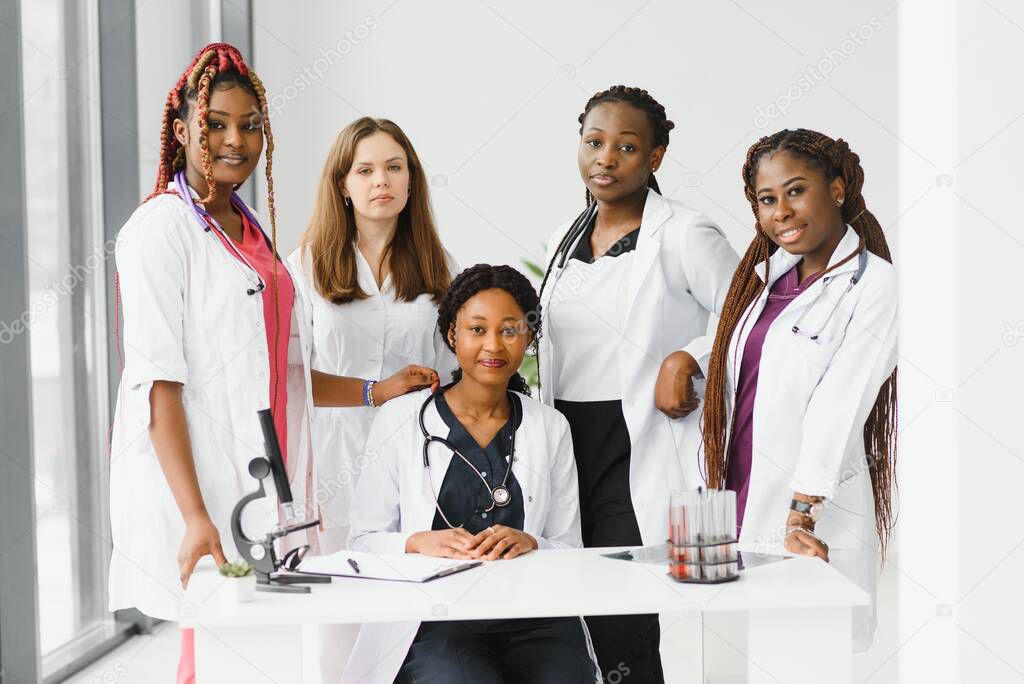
809	412
188	319
680	273
393	500
370	338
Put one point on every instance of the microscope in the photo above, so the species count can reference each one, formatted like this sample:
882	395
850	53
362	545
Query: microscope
260	553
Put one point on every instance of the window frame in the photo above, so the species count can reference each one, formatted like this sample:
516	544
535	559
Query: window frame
19	609
99	190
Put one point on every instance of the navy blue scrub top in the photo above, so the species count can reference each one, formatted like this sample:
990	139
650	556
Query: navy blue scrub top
463	497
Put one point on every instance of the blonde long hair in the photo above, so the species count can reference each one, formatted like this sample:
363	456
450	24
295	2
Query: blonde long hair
415	255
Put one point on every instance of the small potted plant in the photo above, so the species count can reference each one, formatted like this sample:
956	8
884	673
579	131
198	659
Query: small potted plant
240	582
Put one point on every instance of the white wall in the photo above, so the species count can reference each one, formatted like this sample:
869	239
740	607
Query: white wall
929	280
489	94
987	178
959	559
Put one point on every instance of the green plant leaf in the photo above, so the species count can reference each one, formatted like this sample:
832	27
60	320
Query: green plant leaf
533	267
238	568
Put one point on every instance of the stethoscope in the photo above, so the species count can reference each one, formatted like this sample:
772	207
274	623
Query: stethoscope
862	264
256	283
500	495
579	226
209	223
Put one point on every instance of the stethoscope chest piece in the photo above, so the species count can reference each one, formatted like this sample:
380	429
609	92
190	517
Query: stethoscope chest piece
501	495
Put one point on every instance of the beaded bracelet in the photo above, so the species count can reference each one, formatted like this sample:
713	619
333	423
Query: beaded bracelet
368	393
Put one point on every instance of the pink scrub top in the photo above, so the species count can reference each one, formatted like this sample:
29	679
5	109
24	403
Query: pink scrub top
257	251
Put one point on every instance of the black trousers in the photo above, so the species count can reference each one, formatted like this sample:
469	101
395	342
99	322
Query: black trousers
625	644
530	651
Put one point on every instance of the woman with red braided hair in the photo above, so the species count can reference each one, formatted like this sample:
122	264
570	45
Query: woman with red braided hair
626	300
214	331
800	406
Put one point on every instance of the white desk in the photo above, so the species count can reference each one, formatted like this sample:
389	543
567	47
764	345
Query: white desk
743	631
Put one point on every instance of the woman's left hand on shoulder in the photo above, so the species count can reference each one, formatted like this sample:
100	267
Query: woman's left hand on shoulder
501	542
412	378
674	394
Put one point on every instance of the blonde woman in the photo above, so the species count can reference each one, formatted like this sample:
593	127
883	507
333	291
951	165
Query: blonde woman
373	270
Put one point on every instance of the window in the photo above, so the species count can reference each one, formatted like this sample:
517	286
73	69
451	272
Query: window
65	263
58	353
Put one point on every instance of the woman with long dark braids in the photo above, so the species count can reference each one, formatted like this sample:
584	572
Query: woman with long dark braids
800	407
211	336
503	485
626	299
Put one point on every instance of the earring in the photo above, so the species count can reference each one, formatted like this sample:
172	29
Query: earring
839	202
348	201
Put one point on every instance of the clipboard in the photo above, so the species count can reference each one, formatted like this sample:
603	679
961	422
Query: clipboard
405	567
658	555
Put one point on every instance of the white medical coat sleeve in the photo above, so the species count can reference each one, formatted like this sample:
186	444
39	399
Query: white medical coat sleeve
709	262
375	518
299	263
835	415
152	273
562	530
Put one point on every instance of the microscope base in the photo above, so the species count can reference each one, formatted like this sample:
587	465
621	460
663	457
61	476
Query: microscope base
289	584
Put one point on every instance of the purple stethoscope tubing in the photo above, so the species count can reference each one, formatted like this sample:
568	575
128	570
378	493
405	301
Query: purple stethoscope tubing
181	185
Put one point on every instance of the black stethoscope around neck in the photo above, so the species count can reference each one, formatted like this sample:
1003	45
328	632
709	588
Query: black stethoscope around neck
500	495
578	227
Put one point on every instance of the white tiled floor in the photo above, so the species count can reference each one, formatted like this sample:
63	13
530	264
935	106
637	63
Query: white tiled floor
143	659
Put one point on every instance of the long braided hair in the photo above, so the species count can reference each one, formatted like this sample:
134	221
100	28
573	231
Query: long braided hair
216	65
642	100
835	159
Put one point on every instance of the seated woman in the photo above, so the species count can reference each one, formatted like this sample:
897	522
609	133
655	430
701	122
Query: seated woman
501	484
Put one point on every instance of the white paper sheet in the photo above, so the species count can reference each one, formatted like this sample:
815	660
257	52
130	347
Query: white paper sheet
406	567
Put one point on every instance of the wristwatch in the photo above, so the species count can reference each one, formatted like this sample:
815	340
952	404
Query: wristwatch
811	510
